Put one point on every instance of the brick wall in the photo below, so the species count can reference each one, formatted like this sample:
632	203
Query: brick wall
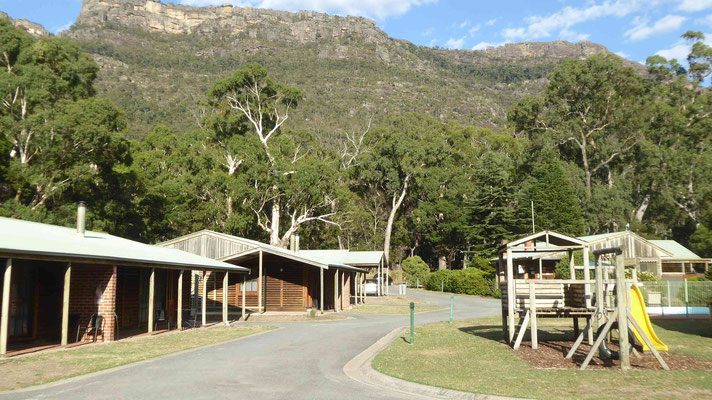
93	291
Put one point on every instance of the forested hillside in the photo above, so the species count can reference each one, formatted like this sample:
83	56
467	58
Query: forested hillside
267	152
157	61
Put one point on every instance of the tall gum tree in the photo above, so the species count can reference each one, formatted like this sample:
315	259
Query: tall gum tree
287	180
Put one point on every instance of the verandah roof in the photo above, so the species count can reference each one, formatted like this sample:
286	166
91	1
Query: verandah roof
20	238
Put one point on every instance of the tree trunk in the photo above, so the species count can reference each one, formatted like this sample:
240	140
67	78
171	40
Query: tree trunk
586	167
274	234
391	217
640	211
442	262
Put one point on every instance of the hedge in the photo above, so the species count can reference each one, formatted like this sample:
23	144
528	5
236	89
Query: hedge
464	281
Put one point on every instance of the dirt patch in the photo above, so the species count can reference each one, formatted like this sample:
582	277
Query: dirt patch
296	318
551	355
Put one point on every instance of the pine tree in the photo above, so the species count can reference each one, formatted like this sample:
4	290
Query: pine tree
492	210
555	204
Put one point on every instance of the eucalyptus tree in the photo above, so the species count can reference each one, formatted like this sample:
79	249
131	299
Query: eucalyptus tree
594	110
280	174
65	145
403	149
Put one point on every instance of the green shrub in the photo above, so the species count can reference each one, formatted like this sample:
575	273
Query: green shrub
415	270
467	281
482	264
708	274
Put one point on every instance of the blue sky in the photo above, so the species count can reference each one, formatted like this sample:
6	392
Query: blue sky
634	29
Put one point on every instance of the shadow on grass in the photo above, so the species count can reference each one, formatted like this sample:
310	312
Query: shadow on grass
696	327
495	333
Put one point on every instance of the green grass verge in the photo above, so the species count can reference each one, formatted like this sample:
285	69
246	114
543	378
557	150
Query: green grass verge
41	368
390	309
469	356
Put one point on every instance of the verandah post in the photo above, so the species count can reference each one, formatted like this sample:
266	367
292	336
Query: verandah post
65	304
225	298
321	290
5	318
204	305
259	285
242	287
336	290
151	294
179	306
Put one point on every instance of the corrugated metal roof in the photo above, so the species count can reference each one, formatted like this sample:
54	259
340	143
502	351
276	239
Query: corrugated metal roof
593	238
678	251
34	238
347	256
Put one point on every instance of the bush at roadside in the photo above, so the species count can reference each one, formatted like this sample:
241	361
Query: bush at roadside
415	271
466	281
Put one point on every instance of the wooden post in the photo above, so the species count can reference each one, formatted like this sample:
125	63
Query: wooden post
622	303
532	311
204	305
321	290
510	295
336	290
64	339
341	298
5	321
388	270
259	285
378	276
179	306
225	298
151	294
587	287
242	287
572	268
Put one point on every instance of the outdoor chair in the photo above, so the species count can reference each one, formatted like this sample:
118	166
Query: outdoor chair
96	324
190	319
161	317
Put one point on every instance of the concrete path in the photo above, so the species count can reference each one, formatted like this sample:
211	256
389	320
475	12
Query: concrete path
304	360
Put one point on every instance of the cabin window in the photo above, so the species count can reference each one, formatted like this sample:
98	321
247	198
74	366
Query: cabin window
251	285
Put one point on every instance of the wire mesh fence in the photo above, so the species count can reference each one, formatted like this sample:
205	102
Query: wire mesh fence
677	297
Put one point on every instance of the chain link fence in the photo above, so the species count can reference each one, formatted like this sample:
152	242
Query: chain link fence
677	297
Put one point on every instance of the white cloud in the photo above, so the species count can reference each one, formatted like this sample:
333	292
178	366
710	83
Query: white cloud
491	22
427	32
453	43
694	5
63	27
642	30
705	21
572	36
464	24
544	26
679	51
379	9
472	31
485	45
622	54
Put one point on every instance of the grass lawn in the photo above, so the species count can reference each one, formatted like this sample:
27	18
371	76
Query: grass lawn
470	356
391	305
51	366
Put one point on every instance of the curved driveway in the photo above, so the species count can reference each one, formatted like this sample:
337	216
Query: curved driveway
304	360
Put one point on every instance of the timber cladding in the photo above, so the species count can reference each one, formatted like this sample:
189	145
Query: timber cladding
209	245
285	285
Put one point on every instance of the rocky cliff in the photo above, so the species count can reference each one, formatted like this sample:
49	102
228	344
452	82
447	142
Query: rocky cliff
30	27
159	58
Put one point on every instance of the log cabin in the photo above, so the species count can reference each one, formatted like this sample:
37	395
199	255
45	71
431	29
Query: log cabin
281	280
55	280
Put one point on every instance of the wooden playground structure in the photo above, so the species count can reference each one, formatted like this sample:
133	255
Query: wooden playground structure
530	299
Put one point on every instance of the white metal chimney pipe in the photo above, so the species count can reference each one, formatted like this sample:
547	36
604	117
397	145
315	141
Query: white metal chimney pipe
81	218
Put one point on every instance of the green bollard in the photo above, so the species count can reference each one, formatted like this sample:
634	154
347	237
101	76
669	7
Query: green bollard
412	322
442	286
452	305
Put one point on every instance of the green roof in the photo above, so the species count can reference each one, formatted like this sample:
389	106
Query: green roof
18	237
678	251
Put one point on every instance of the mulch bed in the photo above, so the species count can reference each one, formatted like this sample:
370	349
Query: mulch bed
551	355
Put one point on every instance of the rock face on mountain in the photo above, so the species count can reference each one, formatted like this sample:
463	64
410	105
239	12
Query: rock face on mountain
30	27
158	59
155	16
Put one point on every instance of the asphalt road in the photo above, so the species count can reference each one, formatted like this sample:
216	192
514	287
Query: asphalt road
303	360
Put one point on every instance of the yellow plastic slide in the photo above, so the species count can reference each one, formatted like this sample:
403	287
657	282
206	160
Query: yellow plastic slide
637	305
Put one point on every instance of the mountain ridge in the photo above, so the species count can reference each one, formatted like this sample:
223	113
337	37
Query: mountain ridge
158	59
